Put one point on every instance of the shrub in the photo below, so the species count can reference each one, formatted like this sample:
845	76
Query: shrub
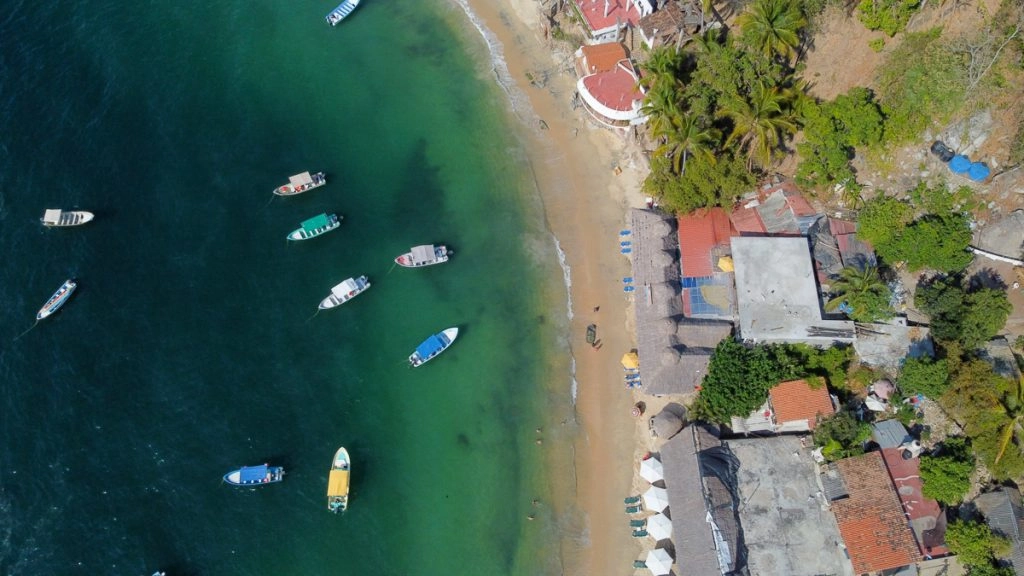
889	16
841	436
882	219
970	317
924	376
831	131
974	543
877	45
946	477
701	185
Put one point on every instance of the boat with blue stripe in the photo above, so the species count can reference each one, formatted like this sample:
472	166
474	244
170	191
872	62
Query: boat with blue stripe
58	299
255	475
433	346
341	12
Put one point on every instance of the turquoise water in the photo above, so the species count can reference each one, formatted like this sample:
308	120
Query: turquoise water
192	345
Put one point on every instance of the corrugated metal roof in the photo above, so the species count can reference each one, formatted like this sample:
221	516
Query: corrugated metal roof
890	433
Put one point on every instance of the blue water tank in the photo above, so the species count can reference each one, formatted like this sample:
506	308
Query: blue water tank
959	164
978	172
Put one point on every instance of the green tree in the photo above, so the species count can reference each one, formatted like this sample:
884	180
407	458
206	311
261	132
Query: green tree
882	219
971	317
703	184
889	16
974	543
1013	432
761	122
683	135
946	477
864	291
934	242
841	436
773	27
737	383
924	376
831	132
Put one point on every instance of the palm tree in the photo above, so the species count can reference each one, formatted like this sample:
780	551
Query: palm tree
662	66
685	134
773	27
1014	406
863	289
760	122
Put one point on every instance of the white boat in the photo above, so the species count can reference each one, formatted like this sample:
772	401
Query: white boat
301	183
338	482
341	12
423	256
347	290
58	299
63	218
315	226
433	346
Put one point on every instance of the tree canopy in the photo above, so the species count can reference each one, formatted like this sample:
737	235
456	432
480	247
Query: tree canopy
924	376
831	132
974	543
863	292
957	313
946	477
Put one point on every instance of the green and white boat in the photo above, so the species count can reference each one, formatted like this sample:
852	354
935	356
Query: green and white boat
316	226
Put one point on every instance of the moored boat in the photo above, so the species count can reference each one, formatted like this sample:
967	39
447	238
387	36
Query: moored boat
255	475
424	255
58	299
301	183
345	291
433	346
315	226
341	12
338	481
64	218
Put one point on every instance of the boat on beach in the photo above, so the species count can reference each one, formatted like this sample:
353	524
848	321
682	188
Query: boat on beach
337	482
58	299
345	291
341	12
315	226
301	183
424	255
433	346
255	475
63	218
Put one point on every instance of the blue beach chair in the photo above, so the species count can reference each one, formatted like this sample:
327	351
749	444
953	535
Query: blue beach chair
637	523
639	533
631	499
627	250
625	243
639	564
633	509
628	288
625	232
627	280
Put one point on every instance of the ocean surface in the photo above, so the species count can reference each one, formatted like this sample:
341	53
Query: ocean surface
193	344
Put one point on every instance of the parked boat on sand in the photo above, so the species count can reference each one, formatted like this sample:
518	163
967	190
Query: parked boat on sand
301	183
338	481
255	475
433	346
64	218
424	255
315	226
345	291
59	298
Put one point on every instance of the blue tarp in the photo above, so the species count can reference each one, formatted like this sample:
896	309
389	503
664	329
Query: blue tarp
978	172
253	473
959	164
429	346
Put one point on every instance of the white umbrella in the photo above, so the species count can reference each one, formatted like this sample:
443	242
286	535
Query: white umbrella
652	470
659	527
656	499
659	562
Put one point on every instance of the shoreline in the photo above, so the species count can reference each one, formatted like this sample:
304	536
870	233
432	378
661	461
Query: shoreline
588	178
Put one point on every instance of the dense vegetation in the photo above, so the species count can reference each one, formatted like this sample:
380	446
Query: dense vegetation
946	476
861	293
961	313
976	546
841	436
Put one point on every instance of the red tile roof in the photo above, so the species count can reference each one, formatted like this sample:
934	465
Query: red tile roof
922	511
796	400
602	57
871	520
616	89
594	13
699	233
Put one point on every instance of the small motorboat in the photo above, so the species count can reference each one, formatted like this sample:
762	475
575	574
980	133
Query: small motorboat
345	291
315	226
424	255
433	346
59	298
65	218
300	183
255	475
338	482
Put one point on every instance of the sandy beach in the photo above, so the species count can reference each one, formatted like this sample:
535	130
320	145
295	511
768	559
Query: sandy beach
589	177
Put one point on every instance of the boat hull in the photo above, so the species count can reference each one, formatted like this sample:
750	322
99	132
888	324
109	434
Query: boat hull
67	219
59	298
408	260
344	292
300	233
449	335
338	481
272	475
341	12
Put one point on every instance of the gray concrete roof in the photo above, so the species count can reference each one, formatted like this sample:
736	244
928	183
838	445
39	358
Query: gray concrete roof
887	344
787	526
777	293
1004	236
674	351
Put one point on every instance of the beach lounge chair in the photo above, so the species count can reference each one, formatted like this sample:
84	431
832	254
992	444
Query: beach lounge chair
639	564
632	499
637	523
633	509
639	533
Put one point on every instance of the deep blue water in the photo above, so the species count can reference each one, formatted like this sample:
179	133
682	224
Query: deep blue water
192	345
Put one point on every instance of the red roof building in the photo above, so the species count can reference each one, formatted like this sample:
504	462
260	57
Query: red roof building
699	233
927	519
606	17
599	58
614	97
871	518
797	406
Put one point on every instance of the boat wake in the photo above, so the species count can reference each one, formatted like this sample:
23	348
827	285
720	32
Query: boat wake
26	331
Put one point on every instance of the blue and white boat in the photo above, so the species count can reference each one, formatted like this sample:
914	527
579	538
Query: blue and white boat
433	346
315	226
341	12
58	299
255	475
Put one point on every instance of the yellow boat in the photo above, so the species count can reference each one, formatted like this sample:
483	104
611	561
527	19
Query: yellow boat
337	482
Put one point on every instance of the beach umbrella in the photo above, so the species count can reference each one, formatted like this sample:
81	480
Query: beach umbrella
656	499
630	360
725	264
659	562
652	470
659	527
